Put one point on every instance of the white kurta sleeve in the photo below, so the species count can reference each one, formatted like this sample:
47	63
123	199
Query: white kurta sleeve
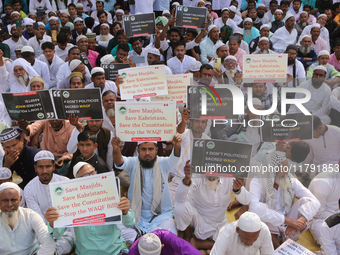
328	244
109	158
32	203
222	243
190	45
334	100
46	75
72	143
243	196
164	45
181	194
4	86
324	105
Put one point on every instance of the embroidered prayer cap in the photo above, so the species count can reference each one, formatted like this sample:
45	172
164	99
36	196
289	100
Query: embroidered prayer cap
323	53
79	37
77	167
238	30
44	154
305	37
288	16
74	64
37	78
320	68
76	74
27	48
249	222
195	66
9	185
91	35
233	9
8	134
107	59
154	51
18	47
149	244
5	173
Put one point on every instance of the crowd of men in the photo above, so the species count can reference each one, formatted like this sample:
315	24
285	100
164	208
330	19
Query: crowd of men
41	43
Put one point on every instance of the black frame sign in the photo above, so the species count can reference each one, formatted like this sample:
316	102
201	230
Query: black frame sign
31	106
190	17
140	24
111	70
85	61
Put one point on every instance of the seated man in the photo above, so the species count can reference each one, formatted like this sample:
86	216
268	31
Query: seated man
181	62
21	228
108	100
107	238
18	156
99	81
320	95
263	46
235	50
330	242
232	75
250	32
264	33
199	198
248	235
284	218
162	242
37	193
149	193
6	176
306	54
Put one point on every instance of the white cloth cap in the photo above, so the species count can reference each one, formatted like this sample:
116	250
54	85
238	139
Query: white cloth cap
146	142
81	37
315	25
5	173
41	24
207	3
154	51
322	15
263	26
323	53
233	8
105	24
28	22
15	12
247	19
165	12
303	12
27	48
201	1
97	70
64	12
224	9
107	59
43	155
320	68
149	244
18	47
78	19
263	39
24	64
238	30
175	3
77	167
79	5
306	36
249	222
288	16
74	64
231	57
195	66
260	5
278	10
256	101
120	11
9	185
211	27
53	18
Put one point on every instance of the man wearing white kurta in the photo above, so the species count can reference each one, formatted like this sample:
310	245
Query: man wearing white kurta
15	40
209	45
272	198
320	95
36	43
180	63
248	235
284	35
145	6
38	198
326	188
330	235
224	20
324	34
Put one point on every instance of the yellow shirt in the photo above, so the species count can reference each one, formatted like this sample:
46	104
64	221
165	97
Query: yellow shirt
337	19
22	14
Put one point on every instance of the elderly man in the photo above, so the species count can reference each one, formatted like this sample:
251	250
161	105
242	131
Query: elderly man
234	50
15	40
263	47
37	194
82	43
108	239
194	195
39	38
104	35
284	36
150	201
284	218
264	32
277	23
303	22
250	32
318	43
231	75
22	229
209	45
324	34
27	52
320	95
98	81
248	235
109	99
307	55
224	20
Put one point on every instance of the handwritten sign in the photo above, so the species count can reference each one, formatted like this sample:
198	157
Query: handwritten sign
290	247
31	106
140	82
265	68
86	201
177	88
139	24
193	17
145	121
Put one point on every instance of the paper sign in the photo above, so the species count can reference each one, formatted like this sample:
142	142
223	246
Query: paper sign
264	68
290	247
290	127
111	70
86	201
147	81
84	103
193	17
211	95
177	88
220	158
139	24
30	106
85	60
145	121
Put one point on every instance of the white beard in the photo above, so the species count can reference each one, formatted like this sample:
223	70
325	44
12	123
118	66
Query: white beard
265	52
10	218
230	73
104	38
283	182
23	79
305	50
212	185
247	33
304	24
110	113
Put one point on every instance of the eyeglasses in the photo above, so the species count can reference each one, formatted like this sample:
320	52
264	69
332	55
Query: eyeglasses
292	54
89	174
229	63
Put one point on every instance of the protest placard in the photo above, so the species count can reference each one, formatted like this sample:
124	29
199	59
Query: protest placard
264	68
193	17
31	106
177	88
289	247
85	60
139	24
84	103
147	81
145	121
111	70
86	201
213	96
220	158
290	127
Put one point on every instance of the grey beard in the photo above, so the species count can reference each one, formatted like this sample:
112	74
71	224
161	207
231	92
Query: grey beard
265	52
304	24
10	218
321	26
211	185
230	73
247	33
22	79
110	113
104	38
283	182
305	50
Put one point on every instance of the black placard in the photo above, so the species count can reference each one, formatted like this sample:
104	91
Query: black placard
273	131
139	24
220	158
84	103
31	106
111	70
193	17
85	60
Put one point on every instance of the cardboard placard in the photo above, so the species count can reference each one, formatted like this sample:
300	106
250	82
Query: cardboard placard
111	70
192	17
289	247
139	24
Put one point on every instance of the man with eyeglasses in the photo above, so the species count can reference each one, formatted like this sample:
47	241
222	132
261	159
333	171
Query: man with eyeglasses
295	68
103	239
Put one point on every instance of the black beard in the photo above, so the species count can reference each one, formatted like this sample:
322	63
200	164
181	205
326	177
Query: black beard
260	15
290	62
147	163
